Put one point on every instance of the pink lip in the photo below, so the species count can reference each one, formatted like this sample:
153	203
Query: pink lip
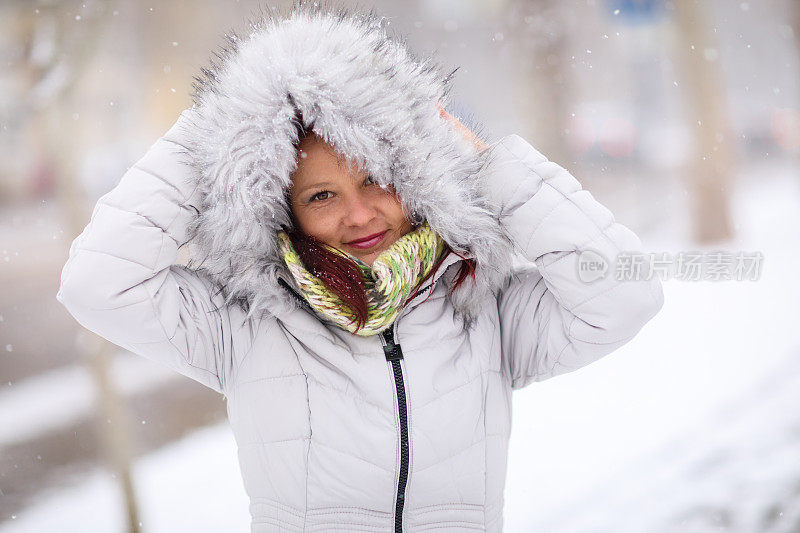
368	242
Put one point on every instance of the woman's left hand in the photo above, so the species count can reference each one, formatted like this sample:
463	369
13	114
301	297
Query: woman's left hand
466	132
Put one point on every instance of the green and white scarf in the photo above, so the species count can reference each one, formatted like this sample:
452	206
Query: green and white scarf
390	280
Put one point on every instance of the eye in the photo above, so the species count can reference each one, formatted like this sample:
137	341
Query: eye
370	181
320	196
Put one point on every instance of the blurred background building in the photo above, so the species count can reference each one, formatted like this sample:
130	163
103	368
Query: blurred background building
681	116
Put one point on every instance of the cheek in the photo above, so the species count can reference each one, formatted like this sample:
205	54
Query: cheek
392	210
318	223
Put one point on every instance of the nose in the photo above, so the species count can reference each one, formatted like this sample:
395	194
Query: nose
359	210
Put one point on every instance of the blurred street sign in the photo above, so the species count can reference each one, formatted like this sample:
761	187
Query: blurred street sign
635	12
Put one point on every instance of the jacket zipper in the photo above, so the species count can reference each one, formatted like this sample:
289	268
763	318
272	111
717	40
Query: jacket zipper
394	353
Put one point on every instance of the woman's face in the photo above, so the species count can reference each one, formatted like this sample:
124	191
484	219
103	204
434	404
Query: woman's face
341	207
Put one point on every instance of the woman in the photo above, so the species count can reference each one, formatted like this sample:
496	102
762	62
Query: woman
373	281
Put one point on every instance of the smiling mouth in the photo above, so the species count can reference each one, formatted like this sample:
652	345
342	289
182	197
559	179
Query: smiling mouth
368	242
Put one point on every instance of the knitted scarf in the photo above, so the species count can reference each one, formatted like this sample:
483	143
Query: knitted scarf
390	280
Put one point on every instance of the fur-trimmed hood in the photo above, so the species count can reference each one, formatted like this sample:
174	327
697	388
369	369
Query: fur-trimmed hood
367	95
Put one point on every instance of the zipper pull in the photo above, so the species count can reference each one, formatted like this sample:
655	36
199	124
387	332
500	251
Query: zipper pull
392	351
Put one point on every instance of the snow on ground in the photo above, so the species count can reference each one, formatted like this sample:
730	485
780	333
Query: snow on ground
693	426
190	485
60	397
738	472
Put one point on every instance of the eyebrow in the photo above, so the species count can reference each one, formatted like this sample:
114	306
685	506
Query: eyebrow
315	185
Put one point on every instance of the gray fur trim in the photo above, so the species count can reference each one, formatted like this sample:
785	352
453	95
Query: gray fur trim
370	98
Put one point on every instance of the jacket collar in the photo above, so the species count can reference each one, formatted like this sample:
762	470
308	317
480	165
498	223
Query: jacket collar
369	97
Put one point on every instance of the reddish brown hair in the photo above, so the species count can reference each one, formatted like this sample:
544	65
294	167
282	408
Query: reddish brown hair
340	274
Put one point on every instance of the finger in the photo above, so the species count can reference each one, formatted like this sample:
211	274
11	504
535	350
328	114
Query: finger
447	116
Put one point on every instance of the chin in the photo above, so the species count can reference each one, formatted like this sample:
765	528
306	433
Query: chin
369	259
371	256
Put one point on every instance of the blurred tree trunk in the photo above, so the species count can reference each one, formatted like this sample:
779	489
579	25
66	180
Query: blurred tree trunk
540	31
794	21
56	55
711	172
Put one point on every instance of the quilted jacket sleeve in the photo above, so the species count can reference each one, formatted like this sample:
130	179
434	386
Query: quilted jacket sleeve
551	321
120	281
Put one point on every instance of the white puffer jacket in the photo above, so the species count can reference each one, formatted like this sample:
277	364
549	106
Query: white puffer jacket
405	431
